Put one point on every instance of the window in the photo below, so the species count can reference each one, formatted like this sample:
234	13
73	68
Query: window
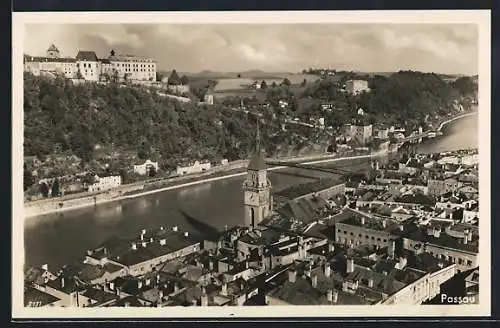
352	233
460	261
373	238
345	232
367	237
469	263
385	240
378	239
338	230
360	235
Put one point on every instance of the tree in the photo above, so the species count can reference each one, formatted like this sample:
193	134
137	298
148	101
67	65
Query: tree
114	76
44	189
159	77
263	85
286	82
303	83
28	180
152	171
274	84
174	78
184	80
56	188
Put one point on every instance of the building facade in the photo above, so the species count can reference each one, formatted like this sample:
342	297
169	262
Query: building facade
52	63
87	66
105	183
196	167
146	167
356	86
362	134
130	68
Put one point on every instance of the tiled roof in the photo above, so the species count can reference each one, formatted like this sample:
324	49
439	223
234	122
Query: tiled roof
86	56
308	188
444	240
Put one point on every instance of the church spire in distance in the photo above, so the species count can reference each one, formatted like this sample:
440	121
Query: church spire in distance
257	138
257	162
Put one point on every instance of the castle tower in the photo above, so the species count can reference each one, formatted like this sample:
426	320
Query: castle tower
53	52
257	188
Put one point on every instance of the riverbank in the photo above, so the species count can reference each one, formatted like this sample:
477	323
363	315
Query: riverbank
454	119
49	206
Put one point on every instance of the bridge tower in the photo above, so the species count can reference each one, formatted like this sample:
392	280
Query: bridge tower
257	188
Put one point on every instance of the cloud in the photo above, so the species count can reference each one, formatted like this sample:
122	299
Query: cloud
191	47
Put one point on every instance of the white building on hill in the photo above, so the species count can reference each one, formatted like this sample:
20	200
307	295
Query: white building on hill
105	183
196	167
145	168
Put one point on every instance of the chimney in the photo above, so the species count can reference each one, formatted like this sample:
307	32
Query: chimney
151	239
175	229
331	248
160	294
194	302
224	289
144	244
139	284
350	265
118	291
163	241
62	282
362	220
292	276
328	270
186	234
157	278
143	231
246	264
401	227
437	232
211	265
45	267
162	228
148	281
112	285
314	281
134	246
370	282
469	235
384	223
466	239
176	288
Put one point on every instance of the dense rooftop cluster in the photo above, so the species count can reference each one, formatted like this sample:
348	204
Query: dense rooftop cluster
380	243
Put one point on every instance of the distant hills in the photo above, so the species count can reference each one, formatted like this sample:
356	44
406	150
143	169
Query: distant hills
260	74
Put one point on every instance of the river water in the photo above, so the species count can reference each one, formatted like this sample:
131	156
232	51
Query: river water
58	239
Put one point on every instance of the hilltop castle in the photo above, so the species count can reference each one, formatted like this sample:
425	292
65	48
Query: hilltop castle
86	65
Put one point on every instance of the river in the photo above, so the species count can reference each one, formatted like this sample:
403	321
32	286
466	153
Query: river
58	239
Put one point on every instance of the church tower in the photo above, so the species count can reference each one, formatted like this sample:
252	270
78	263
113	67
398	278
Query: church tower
257	188
53	52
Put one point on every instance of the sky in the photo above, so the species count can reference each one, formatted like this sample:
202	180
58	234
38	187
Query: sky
440	48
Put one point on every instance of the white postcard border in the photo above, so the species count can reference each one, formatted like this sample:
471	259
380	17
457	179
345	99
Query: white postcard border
479	17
